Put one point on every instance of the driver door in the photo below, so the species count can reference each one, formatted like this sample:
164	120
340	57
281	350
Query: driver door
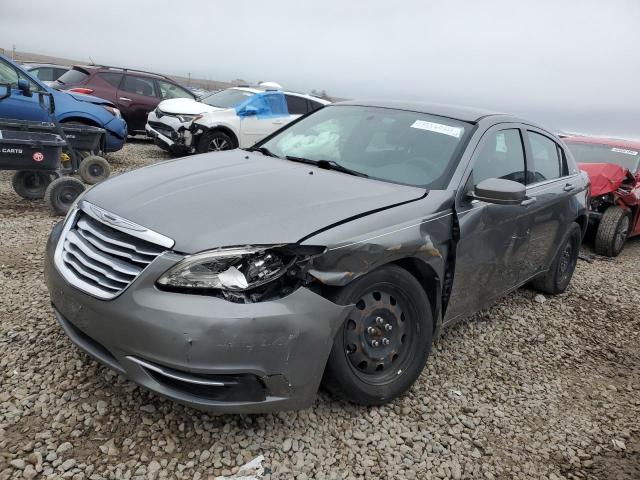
16	104
494	239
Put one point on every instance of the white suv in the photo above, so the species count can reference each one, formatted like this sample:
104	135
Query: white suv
236	117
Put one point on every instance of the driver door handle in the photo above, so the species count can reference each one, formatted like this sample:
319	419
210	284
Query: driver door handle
528	201
568	187
278	122
125	99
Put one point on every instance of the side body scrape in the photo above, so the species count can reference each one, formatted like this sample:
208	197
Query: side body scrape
416	235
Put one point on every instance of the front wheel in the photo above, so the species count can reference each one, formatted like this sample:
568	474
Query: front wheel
61	193
383	345
612	232
214	141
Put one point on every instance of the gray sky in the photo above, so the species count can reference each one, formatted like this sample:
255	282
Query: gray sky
570	64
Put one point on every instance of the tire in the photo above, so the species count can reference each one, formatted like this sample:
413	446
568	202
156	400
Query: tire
612	232
214	141
390	305
61	193
556	280
31	185
94	169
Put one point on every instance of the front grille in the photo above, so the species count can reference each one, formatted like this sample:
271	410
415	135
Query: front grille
103	260
164	129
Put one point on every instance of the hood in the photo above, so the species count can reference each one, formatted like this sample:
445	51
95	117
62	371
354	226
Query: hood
605	177
235	198
90	99
187	106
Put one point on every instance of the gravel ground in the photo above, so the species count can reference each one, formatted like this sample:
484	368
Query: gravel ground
532	388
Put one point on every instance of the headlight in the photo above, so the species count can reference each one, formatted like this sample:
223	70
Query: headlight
113	111
188	118
232	269
242	274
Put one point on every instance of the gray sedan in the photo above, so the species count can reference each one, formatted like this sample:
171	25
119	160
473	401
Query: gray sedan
333	252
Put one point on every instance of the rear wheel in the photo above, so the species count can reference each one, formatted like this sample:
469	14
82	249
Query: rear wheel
384	343
557	278
31	185
214	141
612	232
94	169
61	193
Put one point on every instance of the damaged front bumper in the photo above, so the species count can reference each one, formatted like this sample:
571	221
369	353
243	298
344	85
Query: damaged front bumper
203	351
170	134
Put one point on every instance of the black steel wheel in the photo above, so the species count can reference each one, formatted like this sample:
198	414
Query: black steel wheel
382	346
31	185
94	169
61	194
557	278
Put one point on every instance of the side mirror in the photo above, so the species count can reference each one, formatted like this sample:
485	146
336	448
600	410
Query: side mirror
500	191
248	111
24	86
5	90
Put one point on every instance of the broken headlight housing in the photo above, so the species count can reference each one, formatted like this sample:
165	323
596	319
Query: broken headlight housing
242	274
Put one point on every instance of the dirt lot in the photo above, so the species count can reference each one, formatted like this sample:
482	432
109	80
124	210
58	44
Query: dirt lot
532	388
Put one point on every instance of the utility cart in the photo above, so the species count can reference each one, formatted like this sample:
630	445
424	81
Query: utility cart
46	154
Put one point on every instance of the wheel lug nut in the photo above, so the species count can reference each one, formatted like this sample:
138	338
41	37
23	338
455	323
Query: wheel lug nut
371	330
379	320
385	341
375	343
388	327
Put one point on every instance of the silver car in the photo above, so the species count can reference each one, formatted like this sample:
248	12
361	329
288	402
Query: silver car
333	252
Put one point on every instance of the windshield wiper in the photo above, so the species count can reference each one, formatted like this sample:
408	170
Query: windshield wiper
327	165
263	150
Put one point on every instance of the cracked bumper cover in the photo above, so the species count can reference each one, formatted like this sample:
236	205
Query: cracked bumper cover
279	347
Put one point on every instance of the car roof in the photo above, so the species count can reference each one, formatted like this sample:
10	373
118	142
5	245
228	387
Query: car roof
466	114
108	68
31	65
258	89
611	142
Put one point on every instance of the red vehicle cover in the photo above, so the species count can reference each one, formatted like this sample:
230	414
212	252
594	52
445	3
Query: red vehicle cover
605	177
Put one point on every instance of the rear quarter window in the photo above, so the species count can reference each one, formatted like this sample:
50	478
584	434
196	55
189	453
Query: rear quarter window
112	78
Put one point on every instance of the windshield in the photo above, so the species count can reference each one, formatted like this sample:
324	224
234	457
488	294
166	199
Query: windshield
227	98
391	145
596	153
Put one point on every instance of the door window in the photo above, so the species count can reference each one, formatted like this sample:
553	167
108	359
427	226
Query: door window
296	105
502	156
112	78
547	157
8	75
139	86
171	90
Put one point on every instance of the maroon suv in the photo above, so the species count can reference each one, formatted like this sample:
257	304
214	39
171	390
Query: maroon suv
134	92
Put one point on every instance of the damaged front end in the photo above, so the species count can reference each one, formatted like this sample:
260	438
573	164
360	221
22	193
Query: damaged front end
172	132
245	274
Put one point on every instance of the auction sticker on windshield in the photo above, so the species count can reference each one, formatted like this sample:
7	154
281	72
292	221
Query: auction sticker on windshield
438	128
622	150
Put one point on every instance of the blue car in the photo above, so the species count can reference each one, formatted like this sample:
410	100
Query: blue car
22	103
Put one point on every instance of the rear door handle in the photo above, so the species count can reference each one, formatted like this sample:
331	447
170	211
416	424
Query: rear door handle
125	99
568	187
278	122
